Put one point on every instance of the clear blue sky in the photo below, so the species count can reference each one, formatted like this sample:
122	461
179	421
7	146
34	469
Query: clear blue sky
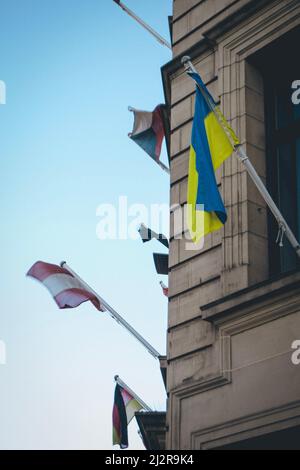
71	68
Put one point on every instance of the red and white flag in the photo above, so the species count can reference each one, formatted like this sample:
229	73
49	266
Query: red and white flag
165	289
67	290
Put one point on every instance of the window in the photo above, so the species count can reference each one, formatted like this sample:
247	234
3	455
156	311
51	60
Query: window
283	165
280	68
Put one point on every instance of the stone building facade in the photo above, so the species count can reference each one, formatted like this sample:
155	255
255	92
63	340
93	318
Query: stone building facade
234	306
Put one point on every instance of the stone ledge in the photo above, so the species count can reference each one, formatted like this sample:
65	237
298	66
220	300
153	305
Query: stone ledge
255	294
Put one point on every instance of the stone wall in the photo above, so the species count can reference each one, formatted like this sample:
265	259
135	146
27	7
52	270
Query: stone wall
220	36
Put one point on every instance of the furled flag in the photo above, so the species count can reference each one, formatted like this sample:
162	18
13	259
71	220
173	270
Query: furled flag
148	130
67	291
165	289
147	234
125	406
210	147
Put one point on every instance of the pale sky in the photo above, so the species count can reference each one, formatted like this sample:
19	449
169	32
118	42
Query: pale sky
71	68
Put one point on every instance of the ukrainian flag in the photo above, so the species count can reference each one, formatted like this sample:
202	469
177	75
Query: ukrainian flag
210	147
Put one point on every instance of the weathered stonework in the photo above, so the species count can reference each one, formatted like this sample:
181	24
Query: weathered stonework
213	397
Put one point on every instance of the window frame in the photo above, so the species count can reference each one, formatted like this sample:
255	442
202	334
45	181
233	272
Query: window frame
274	138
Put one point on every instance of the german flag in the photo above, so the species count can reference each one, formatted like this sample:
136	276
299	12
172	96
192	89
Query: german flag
125	406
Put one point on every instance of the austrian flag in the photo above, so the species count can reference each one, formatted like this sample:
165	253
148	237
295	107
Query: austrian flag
67	290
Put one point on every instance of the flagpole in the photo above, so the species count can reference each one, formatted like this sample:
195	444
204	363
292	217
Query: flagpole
154	33
163	166
284	228
114	314
131	392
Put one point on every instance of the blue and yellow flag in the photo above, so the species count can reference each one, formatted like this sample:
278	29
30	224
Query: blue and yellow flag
210	146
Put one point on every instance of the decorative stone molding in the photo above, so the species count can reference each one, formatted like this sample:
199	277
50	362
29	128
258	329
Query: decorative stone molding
227	326
239	268
223	377
247	427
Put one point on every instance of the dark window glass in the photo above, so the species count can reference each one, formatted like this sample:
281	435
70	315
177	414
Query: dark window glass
283	137
298	181
279	67
286	111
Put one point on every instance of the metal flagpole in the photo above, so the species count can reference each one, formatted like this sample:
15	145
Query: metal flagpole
284	229
114	314
157	36
123	385
161	164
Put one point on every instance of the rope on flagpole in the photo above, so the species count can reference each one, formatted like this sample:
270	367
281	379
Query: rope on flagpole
114	314
131	392
284	228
